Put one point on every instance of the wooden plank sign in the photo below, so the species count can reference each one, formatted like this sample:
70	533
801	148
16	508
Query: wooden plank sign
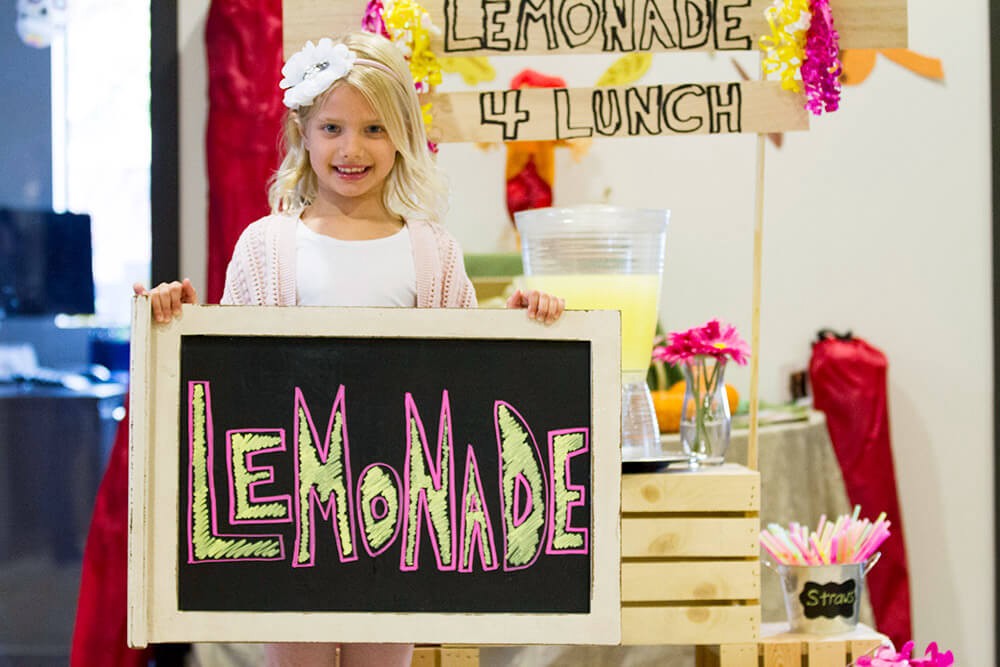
545	27
539	114
539	27
314	474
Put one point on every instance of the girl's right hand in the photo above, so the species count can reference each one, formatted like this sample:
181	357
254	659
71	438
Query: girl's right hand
166	298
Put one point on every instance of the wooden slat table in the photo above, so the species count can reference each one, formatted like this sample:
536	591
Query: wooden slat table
690	556
780	648
776	647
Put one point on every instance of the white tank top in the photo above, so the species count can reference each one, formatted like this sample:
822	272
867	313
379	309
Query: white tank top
331	272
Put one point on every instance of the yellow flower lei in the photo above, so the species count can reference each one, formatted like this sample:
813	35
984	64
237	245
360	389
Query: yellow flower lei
410	27
785	48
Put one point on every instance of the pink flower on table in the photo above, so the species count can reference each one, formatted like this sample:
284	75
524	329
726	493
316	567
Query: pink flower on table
932	658
712	339
681	346
725	341
885	656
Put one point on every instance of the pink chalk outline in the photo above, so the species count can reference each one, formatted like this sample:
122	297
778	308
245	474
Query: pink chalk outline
382	510
472	472
444	428
522	489
284	499
210	461
328	509
399	508
503	503
549	547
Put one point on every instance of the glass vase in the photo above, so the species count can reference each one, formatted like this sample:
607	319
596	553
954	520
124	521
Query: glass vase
706	423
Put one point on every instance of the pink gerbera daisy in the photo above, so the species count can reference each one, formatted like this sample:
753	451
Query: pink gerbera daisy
725	342
713	339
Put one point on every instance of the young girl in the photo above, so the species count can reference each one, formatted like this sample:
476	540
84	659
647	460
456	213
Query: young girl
356	206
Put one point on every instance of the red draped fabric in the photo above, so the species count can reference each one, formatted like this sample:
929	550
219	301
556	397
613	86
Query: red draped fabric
243	46
849	381
99	633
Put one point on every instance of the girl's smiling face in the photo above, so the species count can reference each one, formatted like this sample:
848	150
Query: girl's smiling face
349	148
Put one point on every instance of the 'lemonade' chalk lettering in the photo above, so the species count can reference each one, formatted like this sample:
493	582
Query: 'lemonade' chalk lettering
322	481
524	488
477	530
536	495
427	488
245	506
563	446
378	503
205	542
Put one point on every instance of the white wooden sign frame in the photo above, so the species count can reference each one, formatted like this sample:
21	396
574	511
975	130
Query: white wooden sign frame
153	614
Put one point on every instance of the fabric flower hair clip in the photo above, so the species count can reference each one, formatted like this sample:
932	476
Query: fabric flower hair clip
312	70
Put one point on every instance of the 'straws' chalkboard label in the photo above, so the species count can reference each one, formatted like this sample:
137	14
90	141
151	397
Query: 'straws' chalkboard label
829	600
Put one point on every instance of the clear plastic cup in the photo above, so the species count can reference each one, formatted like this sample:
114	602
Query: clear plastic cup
606	258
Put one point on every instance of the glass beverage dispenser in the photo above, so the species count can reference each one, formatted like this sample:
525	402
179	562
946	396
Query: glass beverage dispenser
606	257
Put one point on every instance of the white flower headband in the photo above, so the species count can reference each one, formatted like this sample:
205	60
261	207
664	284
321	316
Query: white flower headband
315	67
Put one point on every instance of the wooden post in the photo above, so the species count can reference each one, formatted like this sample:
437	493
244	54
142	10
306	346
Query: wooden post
758	234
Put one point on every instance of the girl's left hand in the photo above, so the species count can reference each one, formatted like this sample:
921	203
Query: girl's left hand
543	308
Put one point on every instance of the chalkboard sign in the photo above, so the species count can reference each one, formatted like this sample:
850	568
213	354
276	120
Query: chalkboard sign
830	599
372	475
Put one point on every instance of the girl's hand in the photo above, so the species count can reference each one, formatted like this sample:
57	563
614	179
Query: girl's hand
166	298
542	307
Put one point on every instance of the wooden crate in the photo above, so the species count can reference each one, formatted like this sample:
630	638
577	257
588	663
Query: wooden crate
690	564
776	647
690	557
779	648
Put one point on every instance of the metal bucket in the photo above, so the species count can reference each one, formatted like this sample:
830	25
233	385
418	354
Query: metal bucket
823	599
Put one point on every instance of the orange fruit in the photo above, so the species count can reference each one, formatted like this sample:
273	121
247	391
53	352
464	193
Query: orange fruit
667	404
733	397
677	388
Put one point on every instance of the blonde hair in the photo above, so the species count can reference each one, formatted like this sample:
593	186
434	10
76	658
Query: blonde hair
414	186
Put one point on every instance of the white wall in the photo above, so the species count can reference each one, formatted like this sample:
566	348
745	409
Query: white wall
877	220
193	108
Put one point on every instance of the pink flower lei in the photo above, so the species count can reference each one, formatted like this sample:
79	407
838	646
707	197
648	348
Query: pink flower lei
821	67
885	656
372	21
804	49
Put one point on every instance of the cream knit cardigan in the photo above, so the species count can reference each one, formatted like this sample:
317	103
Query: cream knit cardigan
262	270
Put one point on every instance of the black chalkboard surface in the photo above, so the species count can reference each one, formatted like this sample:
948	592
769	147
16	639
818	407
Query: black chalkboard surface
263	387
391	475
